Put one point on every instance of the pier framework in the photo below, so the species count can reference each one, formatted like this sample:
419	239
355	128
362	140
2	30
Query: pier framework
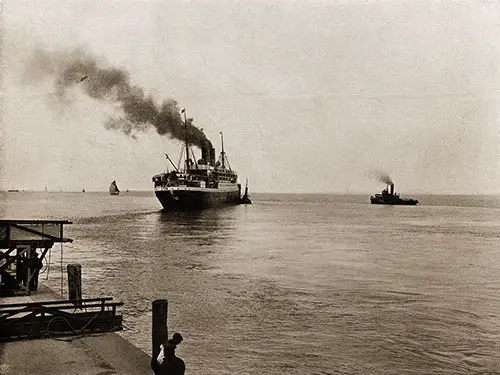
19	258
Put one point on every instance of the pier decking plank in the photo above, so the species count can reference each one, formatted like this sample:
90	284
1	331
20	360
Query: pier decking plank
96	354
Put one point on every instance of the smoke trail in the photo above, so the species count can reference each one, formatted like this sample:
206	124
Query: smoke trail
381	176
139	112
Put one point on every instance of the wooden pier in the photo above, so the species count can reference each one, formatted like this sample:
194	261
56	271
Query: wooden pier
23	247
95	352
42	333
49	319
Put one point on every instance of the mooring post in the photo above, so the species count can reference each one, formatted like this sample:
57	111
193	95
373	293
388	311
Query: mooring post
75	282
159	332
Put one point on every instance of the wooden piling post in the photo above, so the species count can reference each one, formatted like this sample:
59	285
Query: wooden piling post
29	270
159	332
74	282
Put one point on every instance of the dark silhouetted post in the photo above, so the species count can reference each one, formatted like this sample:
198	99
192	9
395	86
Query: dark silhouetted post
159	331
74	282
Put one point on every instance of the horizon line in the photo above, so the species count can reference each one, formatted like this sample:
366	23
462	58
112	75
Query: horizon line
353	193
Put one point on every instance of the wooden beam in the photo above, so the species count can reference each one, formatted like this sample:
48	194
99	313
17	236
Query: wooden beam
67	306
60	302
6	254
38	233
3	221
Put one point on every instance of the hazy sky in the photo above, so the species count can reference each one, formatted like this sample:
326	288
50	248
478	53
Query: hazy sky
310	96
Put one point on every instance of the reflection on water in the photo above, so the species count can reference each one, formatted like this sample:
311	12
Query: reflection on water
315	285
200	228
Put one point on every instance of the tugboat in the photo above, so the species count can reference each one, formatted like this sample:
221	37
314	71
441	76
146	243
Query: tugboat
113	188
245	199
389	197
198	185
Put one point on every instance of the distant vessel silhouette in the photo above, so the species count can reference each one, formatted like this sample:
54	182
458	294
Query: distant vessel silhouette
389	197
113	188
245	199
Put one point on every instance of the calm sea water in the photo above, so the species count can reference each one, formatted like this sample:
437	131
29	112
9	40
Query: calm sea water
294	284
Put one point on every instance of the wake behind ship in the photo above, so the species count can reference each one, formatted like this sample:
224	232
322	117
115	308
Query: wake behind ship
199	184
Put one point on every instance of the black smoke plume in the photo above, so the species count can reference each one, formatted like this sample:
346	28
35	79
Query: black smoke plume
381	176
139	112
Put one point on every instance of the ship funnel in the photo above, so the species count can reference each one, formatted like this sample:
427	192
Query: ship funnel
212	156
392	189
205	154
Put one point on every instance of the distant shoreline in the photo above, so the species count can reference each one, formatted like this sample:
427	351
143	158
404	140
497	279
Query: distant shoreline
337	193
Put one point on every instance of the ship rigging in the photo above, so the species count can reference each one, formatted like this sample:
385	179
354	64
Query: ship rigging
198	184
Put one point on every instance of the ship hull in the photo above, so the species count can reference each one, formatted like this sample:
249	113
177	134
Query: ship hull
245	201
179	199
395	202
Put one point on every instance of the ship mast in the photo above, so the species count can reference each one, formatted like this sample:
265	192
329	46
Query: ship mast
186	139
223	154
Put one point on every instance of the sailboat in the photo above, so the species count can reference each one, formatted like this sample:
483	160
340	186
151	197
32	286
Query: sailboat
245	199
113	188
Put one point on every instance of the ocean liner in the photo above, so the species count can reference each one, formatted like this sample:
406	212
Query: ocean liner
198	184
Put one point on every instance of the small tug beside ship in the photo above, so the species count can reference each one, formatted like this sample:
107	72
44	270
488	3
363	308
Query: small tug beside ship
390	197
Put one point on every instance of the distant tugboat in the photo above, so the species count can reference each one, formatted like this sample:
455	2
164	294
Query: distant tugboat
113	188
389	197
245	199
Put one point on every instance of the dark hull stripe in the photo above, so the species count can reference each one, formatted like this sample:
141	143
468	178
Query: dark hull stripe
412	203
192	200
